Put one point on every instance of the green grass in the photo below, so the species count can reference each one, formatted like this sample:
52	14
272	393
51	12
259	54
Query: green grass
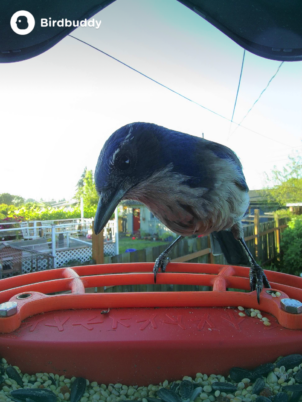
126	243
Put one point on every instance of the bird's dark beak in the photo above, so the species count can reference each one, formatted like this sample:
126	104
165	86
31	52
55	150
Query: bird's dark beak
105	209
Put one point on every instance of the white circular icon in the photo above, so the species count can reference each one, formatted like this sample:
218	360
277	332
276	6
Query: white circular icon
22	22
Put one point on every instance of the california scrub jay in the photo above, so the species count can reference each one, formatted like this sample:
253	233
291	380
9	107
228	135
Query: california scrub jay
192	185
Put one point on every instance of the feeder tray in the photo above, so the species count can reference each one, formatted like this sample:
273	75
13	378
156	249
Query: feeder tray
145	337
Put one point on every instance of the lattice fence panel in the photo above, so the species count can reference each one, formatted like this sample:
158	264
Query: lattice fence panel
36	264
44	264
109	249
26	266
82	254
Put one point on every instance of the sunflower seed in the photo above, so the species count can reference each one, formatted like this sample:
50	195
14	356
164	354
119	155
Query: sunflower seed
262	399
36	395
290	361
77	389
195	393
237	374
167	395
298	376
14	375
293	388
224	387
186	389
258	386
262	370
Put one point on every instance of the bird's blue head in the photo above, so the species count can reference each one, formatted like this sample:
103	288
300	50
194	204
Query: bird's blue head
129	156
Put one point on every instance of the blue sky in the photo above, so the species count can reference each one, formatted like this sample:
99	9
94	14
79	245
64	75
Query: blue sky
58	109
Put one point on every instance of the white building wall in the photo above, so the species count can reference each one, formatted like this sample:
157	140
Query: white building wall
129	222
144	217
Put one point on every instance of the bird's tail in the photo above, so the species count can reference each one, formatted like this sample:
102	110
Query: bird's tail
224	242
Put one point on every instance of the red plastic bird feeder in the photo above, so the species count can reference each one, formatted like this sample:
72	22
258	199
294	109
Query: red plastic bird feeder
145	337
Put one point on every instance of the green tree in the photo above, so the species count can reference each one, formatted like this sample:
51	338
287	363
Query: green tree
86	189
80	186
90	195
285	186
9	199
6	198
17	200
291	246
4	209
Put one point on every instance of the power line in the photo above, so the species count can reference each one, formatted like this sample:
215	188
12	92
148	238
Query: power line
283	157
149	78
279	158
172	90
235	103
262	92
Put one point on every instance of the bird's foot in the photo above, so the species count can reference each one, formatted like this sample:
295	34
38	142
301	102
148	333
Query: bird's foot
258	280
160	264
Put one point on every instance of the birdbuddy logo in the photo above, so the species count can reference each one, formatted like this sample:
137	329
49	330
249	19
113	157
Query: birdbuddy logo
23	22
66	23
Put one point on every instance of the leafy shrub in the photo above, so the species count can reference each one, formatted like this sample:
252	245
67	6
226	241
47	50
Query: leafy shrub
47	213
291	246
168	236
4	208
281	213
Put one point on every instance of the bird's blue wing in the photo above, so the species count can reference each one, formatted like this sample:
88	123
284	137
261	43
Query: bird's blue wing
192	156
226	153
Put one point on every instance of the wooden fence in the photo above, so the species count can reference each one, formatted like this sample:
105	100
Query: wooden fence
263	240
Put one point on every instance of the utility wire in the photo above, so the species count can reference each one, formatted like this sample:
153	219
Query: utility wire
175	92
262	92
235	103
149	78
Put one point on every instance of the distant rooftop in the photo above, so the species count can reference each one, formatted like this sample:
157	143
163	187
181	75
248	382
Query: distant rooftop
257	195
64	204
132	203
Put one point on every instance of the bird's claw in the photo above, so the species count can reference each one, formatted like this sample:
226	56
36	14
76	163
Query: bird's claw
160	264
258	280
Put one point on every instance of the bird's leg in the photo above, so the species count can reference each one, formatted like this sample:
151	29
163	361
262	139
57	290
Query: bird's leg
163	260
257	275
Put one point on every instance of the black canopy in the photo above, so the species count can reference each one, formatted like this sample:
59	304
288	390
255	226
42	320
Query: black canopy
267	28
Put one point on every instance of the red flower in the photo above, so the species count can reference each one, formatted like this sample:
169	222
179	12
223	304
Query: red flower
133	238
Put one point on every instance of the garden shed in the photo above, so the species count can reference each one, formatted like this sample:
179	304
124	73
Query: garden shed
295	208
140	218
15	260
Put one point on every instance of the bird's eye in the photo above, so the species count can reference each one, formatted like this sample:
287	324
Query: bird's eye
123	161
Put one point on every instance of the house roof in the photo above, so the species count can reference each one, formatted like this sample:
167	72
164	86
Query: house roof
19	245
64	204
132	203
257	195
5	244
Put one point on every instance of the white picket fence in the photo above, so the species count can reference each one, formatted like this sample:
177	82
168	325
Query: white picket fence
62	239
82	254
